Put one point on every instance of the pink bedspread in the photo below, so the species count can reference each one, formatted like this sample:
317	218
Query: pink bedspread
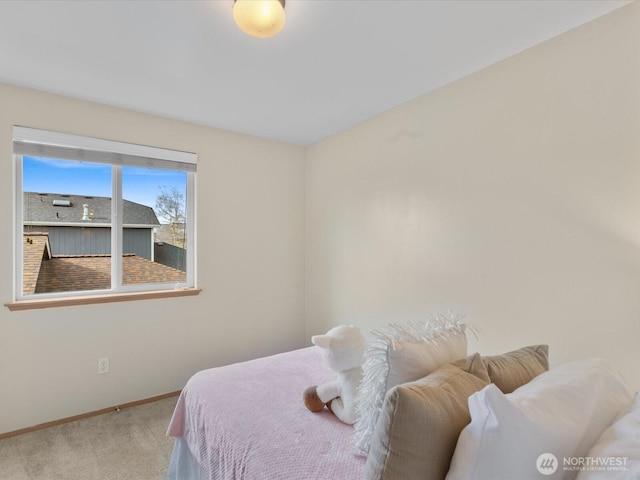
247	421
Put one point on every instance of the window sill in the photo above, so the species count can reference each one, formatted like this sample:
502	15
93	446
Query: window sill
94	299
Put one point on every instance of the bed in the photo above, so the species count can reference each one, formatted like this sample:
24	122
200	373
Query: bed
247	421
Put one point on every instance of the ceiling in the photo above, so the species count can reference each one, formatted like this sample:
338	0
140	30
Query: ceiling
335	64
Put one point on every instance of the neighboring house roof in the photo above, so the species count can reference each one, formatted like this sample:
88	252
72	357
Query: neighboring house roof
39	208
72	273
44	273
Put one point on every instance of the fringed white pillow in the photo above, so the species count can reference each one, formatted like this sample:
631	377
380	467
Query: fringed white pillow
399	354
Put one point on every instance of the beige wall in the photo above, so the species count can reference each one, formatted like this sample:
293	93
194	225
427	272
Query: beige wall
512	195
250	266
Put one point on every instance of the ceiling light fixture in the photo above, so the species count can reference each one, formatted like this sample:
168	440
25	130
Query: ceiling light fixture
259	18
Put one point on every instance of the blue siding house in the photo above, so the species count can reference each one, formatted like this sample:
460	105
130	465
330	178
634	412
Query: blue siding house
81	225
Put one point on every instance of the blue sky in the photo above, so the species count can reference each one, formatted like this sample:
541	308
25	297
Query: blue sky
140	185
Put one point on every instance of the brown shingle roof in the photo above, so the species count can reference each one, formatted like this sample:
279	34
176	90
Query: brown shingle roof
72	273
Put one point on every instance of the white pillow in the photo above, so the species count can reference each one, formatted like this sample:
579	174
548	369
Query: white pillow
400	354
561	412
617	450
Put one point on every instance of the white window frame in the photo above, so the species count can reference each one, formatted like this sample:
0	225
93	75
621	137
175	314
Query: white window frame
35	142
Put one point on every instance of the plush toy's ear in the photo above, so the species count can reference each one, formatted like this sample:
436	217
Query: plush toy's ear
322	341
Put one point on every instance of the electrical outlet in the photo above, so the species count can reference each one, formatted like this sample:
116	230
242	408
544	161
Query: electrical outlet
103	365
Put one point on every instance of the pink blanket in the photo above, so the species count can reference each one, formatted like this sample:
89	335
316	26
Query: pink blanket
247	421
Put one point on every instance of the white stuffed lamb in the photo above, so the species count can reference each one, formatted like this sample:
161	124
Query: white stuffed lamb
344	349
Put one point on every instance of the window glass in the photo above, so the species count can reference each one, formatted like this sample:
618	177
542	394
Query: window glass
154	225
66	226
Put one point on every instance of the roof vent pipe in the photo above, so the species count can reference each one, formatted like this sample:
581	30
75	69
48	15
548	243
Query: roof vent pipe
85	212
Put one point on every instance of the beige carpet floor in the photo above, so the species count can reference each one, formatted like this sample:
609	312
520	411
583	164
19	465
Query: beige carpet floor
127	445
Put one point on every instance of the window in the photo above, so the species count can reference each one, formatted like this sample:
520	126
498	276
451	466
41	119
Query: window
101	217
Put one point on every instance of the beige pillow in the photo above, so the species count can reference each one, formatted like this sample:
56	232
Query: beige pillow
514	369
418	428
